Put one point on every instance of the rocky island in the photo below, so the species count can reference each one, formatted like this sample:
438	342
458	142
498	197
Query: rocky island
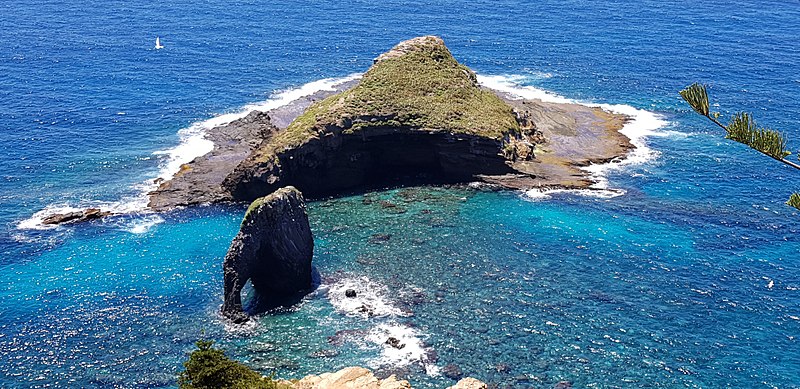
417	115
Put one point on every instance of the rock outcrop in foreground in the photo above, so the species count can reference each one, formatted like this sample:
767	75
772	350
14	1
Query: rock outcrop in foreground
273	250
361	378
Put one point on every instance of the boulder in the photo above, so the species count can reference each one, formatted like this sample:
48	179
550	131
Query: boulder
469	383
75	217
273	250
394	342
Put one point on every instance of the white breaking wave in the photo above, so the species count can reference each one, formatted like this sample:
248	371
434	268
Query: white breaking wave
371	302
128	205
142	224
192	144
643	124
410	348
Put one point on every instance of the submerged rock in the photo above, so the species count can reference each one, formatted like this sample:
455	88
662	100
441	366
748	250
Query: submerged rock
452	371
273	250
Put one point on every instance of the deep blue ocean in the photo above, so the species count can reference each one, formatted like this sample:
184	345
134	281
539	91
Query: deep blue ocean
689	279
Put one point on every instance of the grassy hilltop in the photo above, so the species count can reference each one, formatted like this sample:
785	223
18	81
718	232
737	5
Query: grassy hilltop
418	84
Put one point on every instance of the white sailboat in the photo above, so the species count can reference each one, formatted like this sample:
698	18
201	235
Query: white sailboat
158	44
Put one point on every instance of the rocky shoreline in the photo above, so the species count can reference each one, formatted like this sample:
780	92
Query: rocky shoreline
361	378
200	181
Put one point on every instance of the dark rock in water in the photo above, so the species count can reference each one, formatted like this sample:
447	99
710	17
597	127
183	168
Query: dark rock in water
273	250
502	368
379	238
391	207
366	309
452	371
431	355
61	218
522	378
75	217
398	371
351	293
394	342
563	385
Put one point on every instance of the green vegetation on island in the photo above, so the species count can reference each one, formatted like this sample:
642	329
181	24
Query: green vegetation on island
743	129
417	85
209	368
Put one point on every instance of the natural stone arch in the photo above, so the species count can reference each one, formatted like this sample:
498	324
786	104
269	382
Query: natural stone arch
273	249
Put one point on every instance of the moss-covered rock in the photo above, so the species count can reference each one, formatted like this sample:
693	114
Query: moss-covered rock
273	249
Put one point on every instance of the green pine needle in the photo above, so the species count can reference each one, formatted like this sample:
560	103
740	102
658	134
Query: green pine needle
697	97
743	129
794	200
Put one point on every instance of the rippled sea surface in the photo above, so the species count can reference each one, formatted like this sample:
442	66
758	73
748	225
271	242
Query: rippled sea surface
689	279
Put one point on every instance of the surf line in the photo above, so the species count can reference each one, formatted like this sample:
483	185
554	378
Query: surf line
192	143
643	124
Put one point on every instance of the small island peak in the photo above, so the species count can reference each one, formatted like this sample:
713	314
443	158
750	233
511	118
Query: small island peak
414	44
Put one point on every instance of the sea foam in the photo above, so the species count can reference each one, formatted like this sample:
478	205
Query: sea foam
643	124
192	144
372	303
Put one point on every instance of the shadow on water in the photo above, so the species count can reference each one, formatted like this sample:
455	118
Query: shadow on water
255	303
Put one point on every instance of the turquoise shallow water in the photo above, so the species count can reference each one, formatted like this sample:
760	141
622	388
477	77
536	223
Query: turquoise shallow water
689	279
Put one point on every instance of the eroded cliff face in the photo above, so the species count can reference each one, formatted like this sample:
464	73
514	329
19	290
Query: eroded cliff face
273	250
378	157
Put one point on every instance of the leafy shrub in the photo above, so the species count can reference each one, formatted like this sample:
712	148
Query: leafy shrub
209	368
